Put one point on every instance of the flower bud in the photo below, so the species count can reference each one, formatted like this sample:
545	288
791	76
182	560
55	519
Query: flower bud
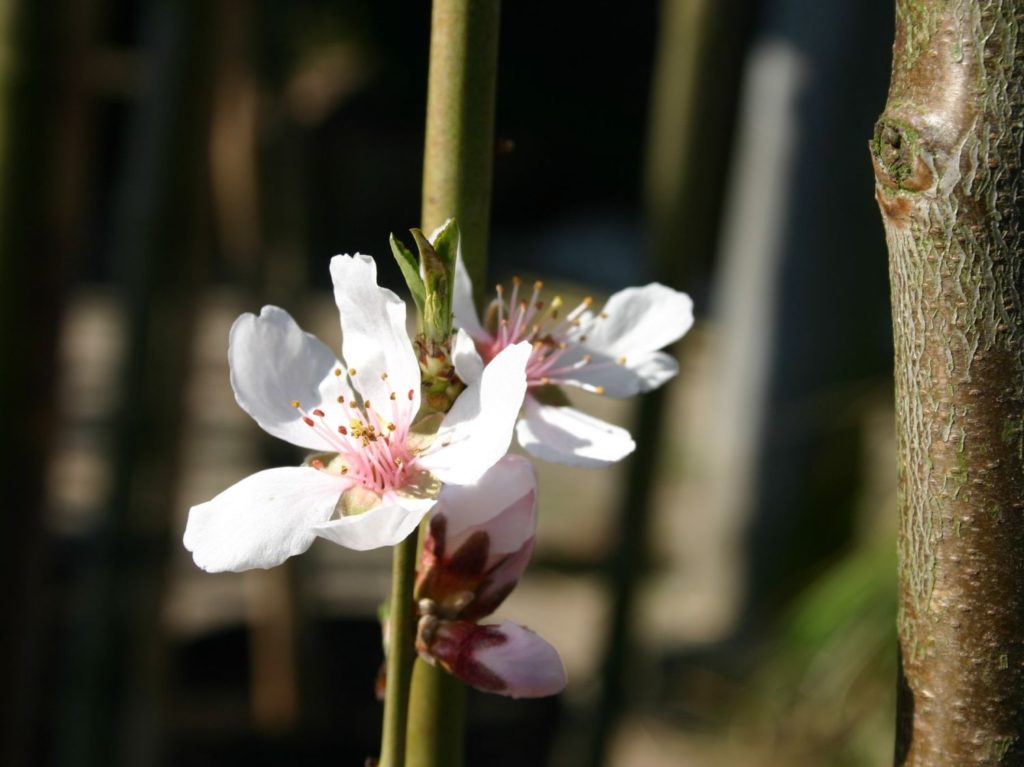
507	659
479	541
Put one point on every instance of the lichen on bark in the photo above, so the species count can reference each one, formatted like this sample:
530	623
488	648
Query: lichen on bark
947	159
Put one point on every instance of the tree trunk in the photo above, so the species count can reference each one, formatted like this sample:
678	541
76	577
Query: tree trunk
947	157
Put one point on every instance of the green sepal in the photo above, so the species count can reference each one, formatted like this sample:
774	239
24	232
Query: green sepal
410	270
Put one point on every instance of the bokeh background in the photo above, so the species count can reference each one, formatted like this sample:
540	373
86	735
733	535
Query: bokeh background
725	596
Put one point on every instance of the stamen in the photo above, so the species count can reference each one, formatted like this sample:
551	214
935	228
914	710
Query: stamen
337	371
342	430
351	371
308	420
318	413
296	403
622	360
316	463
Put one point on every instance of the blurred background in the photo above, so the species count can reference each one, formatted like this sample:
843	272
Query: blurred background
725	596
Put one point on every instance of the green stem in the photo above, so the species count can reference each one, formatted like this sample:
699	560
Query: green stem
437	713
457	167
402	621
459	147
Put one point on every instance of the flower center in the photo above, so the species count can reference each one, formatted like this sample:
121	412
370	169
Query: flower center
556	336
373	446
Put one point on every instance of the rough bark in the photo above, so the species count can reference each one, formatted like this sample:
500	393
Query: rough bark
947	157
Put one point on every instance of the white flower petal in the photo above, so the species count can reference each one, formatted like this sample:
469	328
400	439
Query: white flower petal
385	525
502	503
469	365
477	431
463	308
274	362
618	378
653	369
262	520
566	435
373	334
637	320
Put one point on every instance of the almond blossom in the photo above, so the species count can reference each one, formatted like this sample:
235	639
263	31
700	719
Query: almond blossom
375	472
614	351
479	542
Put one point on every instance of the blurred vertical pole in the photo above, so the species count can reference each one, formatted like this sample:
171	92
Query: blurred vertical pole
695	79
235	173
42	164
947	155
112	712
457	174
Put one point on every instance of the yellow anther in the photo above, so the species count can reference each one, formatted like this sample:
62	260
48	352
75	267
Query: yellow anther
368	406
295	403
538	285
337	371
351	371
603	315
341	400
588	300
393	396
622	360
598	390
556	302
383	376
344	469
515	280
545	381
391	427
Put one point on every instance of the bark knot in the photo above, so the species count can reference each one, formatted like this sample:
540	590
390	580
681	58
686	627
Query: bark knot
898	156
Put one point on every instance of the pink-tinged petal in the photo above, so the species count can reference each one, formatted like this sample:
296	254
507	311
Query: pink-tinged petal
479	540
477	431
469	365
638	320
374	339
384	525
498	583
463	308
568	436
273	364
262	520
506	659
502	503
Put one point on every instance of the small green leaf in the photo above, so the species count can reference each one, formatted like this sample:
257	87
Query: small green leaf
410	270
438	282
446	244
